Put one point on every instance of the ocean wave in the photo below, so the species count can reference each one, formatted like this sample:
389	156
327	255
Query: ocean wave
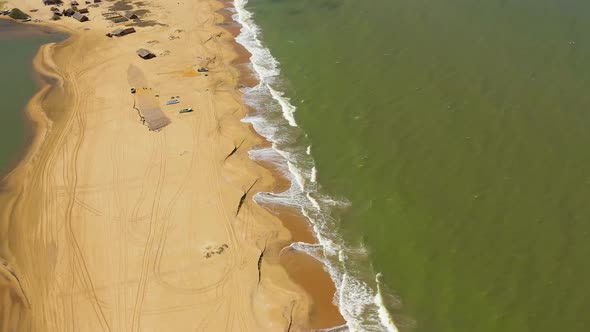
360	303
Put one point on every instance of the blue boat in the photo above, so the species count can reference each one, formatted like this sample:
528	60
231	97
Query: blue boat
172	102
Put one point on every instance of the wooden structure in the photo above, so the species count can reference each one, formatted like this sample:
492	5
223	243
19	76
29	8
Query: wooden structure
83	11
51	2
80	17
122	32
119	19
69	12
131	15
145	54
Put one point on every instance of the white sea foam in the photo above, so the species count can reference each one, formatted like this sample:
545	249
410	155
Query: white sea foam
360	303
314	174
287	108
384	315
313	201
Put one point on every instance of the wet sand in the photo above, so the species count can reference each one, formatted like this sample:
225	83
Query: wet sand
109	226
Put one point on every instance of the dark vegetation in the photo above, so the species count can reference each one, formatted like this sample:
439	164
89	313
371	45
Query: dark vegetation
18	14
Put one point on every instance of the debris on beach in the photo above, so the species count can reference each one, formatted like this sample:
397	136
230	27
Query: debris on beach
185	110
210	250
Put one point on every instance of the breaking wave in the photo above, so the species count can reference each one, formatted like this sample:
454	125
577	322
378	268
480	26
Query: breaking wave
359	299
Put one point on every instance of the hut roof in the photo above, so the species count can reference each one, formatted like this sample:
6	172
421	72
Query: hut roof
69	12
119	19
145	54
78	16
131	15
83	10
122	32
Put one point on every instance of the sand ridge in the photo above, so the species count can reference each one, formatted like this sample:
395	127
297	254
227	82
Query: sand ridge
111	227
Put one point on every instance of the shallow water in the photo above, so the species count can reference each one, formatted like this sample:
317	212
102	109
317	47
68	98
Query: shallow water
455	133
18	46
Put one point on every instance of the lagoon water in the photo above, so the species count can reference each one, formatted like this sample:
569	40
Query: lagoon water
456	133
18	46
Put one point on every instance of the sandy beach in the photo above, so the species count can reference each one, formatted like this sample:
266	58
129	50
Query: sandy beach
108	226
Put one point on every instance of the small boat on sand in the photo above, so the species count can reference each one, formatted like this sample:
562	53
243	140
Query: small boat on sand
172	102
185	110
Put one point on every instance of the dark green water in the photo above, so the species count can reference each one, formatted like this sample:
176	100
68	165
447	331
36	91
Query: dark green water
18	46
458	130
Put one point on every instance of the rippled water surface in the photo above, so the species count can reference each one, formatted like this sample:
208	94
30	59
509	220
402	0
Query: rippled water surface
18	46
457	131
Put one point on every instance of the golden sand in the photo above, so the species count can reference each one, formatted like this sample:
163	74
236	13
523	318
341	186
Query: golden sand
107	226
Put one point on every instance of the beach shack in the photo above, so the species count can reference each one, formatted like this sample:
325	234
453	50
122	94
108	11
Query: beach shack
122	32
74	3
145	54
130	15
80	17
51	2
97	1
83	11
119	19
69	12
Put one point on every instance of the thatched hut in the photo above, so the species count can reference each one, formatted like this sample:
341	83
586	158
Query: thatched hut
83	11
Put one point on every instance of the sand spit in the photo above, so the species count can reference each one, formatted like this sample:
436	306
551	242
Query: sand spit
107	226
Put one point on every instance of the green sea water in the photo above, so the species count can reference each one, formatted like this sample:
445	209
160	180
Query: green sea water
458	131
18	46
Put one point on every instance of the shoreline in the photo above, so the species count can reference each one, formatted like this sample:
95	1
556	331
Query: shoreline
31	117
40	138
303	268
